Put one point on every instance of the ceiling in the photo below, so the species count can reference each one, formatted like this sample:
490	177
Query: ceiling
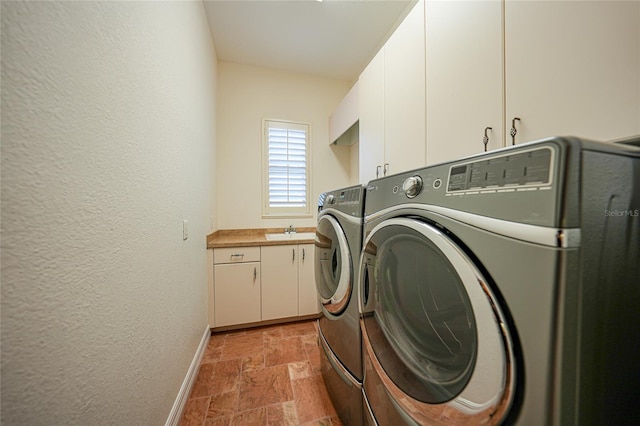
331	38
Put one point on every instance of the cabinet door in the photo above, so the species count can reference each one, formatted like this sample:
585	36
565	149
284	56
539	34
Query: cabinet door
307	295
404	94
572	68
371	106
464	78
237	293
279	281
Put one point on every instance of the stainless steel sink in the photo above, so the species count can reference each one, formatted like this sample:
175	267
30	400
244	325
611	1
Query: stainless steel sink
293	236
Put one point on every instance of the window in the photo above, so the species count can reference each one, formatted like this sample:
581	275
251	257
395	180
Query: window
286	169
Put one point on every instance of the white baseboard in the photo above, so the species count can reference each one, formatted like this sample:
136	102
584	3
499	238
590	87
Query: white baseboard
181	400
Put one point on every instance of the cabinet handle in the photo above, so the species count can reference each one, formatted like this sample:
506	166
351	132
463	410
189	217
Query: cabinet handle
255	274
514	131
293	255
485	139
303	255
240	255
386	168
378	171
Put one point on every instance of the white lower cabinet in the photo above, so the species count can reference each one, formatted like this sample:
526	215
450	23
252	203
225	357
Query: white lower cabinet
279	282
236	286
253	284
288	281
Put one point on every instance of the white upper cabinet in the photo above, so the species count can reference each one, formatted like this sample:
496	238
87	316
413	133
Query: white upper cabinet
392	102
572	68
404	95
371	105
344	117
550	68
464	78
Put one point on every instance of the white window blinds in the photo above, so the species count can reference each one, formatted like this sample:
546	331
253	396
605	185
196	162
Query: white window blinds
287	167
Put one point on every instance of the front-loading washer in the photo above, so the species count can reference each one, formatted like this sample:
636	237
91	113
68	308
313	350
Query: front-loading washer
504	288
338	242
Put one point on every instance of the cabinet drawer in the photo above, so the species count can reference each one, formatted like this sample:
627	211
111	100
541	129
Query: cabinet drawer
236	255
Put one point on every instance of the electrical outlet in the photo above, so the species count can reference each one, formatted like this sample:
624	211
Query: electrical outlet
185	230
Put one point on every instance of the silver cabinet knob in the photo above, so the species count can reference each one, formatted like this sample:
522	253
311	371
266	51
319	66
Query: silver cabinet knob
412	186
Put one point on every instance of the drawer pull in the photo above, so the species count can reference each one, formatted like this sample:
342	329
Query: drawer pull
240	255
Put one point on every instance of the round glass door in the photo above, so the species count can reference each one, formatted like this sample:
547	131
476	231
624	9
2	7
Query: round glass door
332	265
427	314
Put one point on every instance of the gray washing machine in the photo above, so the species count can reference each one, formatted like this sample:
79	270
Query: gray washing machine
504	288
338	243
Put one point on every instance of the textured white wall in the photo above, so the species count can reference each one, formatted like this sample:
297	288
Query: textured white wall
247	94
107	139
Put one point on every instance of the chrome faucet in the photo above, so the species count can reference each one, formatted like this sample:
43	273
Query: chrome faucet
290	230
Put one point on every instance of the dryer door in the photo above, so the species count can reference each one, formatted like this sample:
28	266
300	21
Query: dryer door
333	267
432	327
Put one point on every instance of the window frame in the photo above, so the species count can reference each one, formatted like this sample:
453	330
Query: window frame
285	212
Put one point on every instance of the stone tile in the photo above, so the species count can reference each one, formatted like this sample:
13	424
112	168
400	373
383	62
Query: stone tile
284	351
265	387
300	370
195	411
217	340
335	421
299	328
312	399
320	422
310	338
223	405
218	421
242	345
253	362
282	414
313	354
273	333
212	354
253	417
205	383
226	376
262	376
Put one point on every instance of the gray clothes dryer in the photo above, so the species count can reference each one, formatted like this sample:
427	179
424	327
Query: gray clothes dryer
504	288
338	243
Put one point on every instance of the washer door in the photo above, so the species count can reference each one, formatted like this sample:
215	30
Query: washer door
333	267
432	327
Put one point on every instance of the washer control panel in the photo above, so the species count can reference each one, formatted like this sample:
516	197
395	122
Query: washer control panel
349	196
347	200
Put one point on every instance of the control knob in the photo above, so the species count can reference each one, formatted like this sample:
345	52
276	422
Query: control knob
331	199
412	186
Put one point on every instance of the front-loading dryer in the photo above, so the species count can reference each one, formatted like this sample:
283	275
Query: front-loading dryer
338	243
504	288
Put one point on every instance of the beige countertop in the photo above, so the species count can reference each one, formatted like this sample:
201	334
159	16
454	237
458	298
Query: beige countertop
252	237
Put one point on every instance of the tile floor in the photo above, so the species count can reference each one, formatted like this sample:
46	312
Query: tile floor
262	376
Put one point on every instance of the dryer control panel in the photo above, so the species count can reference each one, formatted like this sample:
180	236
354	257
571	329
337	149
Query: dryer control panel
525	169
517	184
